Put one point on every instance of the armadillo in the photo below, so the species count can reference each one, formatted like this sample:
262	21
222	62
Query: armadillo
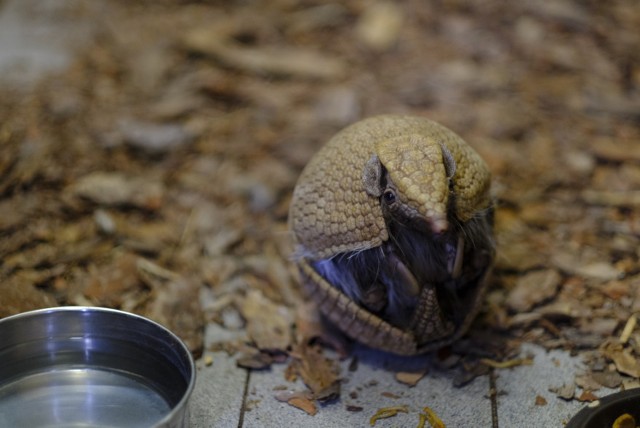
392	222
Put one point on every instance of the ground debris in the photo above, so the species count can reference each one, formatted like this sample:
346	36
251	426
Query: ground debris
387	412
304	404
624	358
152	138
302	400
286	61
173	302
255	360
410	378
540	401
587	396
508	363
566	391
115	189
268	324
430	417
319	373
533	288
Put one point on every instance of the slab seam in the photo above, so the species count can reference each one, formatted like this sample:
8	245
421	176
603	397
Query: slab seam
493	396
243	405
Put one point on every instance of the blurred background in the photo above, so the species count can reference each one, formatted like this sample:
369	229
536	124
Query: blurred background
148	149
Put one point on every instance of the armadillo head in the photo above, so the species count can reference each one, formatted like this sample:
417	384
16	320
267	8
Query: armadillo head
419	176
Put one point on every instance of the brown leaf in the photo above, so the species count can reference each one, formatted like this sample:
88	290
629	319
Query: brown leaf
616	150
108	284
268	324
304	404
116	189
615	290
387	412
410	378
587	396
256	361
286	395
309	326
608	379
433	419
174	303
275	60
587	382
319	373
566	391
533	288
622	357
389	394
21	296
540	400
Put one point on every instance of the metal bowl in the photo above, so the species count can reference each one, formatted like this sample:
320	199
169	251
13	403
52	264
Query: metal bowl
82	366
603	412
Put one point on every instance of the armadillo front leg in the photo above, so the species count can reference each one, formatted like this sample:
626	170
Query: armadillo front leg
428	322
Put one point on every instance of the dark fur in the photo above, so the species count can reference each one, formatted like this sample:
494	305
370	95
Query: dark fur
370	278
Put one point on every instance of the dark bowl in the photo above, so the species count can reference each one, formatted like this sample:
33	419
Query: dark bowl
603	412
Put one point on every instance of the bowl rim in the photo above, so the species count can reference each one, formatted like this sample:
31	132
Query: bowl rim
182	405
591	410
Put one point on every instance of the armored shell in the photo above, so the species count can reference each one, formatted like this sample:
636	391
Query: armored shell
392	222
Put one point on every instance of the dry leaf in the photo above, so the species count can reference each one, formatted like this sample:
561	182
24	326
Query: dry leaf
628	329
622	357
566	391
174	303
433	419
116	189
304	404
257	361
410	378
508	363
108	284
318	372
268	324
608	378
587	396
533	288
387	412
389	394
285	395
540	400
587	382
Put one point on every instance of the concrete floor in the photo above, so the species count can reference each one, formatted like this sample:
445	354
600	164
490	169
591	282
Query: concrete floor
227	396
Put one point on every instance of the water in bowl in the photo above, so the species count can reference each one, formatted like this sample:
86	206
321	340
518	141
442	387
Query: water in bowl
80	397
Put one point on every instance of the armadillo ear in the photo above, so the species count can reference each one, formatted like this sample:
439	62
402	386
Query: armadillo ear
449	161
371	177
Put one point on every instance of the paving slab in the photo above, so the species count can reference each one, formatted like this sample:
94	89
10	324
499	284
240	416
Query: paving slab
218	395
227	396
519	386
370	387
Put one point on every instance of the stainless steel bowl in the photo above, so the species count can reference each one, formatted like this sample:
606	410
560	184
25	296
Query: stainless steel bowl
81	367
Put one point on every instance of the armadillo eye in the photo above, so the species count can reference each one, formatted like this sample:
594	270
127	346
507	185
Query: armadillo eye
389	196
